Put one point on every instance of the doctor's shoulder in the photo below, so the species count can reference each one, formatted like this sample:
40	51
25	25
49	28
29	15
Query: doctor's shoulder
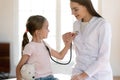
105	26
102	22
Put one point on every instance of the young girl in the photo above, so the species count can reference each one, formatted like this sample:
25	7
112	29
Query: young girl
35	51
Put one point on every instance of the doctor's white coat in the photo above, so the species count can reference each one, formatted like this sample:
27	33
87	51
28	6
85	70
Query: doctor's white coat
92	48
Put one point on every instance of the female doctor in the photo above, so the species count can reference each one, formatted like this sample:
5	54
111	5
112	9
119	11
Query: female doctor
92	43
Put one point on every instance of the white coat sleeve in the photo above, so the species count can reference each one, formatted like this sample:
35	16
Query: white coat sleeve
104	50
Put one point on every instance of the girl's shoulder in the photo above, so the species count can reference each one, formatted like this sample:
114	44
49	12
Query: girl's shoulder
30	45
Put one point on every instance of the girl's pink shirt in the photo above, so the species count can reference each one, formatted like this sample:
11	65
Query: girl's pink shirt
39	56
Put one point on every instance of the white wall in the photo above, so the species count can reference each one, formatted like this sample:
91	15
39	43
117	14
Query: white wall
9	30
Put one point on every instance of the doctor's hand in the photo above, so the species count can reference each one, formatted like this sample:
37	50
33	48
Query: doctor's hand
82	76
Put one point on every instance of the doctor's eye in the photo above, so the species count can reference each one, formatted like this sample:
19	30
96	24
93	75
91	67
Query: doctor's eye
75	9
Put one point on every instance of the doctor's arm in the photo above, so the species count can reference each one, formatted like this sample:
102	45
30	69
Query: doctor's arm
104	50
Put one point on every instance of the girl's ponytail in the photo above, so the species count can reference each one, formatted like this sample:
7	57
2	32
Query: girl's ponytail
25	40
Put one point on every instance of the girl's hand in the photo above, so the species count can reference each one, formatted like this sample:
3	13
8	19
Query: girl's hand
68	37
82	76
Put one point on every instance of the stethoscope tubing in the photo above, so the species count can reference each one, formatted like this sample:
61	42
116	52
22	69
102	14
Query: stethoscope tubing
60	62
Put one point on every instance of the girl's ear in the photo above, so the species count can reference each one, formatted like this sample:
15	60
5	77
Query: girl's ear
37	32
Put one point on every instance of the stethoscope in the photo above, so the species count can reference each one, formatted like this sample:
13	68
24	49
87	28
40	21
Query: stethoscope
57	61
70	54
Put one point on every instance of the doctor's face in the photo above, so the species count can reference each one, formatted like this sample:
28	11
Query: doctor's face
79	11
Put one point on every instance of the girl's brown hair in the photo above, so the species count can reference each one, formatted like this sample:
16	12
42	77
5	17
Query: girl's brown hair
34	23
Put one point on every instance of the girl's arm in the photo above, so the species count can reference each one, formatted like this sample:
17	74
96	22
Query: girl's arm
61	54
20	64
67	38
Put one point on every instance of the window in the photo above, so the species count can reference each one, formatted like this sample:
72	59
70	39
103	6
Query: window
46	8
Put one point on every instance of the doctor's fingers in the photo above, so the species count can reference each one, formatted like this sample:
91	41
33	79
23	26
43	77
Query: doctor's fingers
74	77
77	77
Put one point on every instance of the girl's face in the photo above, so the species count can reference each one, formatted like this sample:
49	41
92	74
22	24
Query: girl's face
79	11
45	30
43	33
